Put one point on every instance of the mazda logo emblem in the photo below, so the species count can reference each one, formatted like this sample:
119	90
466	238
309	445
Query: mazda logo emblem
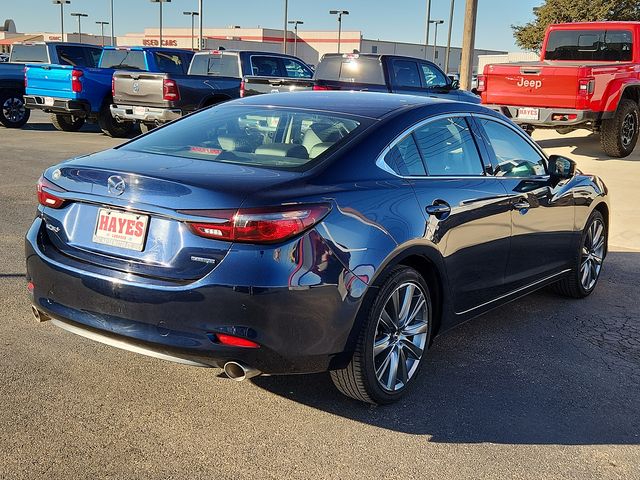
116	185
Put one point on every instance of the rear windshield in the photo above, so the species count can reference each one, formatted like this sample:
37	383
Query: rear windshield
258	136
351	69
123	59
217	65
29	54
590	45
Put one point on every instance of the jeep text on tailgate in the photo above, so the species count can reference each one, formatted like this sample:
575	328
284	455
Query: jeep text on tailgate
588	77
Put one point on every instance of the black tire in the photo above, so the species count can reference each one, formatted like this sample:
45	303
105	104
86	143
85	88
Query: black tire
13	113
619	135
67	123
146	127
110	126
359	380
572	285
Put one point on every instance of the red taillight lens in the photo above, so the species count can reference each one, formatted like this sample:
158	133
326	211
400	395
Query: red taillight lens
45	197
76	83
242	89
170	91
482	83
232	341
586	86
258	225
322	87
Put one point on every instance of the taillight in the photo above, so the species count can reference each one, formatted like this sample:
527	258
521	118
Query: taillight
586	86
257	225
170	91
322	87
482	83
76	83
242	86
234	341
45	195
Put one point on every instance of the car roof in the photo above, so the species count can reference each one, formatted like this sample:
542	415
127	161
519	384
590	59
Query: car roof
362	104
372	55
71	44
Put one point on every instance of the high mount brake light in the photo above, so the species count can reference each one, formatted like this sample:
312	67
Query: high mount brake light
257	225
45	197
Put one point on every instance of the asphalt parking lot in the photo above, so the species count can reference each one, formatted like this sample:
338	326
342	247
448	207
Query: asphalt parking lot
543	388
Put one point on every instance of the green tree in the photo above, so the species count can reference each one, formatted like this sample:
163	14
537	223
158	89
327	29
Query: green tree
530	35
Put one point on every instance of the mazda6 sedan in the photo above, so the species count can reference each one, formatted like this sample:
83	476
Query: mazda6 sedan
309	232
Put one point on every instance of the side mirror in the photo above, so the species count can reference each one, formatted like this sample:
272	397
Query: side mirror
455	85
561	168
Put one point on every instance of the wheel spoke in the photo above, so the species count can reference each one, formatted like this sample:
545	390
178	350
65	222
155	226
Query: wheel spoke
403	373
381	345
416	310
407	299
585	272
415	329
412	349
387	321
393	369
384	366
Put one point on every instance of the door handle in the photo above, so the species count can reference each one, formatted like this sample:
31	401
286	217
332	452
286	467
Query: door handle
521	205
438	209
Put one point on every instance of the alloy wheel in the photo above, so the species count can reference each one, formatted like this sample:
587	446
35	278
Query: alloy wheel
592	254
13	109
401	336
629	127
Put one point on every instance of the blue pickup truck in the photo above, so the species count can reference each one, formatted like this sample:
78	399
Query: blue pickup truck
74	95
13	113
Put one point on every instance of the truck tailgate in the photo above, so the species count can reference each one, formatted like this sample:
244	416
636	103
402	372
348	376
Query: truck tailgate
532	85
49	80
139	88
257	85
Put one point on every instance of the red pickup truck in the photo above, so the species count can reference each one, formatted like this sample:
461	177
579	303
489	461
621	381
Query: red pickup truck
588	77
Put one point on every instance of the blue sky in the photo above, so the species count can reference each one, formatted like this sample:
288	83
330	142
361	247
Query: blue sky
399	20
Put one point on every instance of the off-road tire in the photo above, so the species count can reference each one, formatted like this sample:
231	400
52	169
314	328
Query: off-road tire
110	126
13	113
67	123
615	139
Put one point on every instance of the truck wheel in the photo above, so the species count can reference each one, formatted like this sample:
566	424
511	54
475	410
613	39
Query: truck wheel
67	123
13	113
110	126
146	127
619	135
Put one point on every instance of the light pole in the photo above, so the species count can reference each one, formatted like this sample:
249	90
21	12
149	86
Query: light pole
286	28
161	2
113	36
62	4
192	14
339	13
446	58
295	24
435	40
200	42
426	33
102	24
79	15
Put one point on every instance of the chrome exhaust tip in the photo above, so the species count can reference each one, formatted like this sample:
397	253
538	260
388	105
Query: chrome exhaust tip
239	371
38	315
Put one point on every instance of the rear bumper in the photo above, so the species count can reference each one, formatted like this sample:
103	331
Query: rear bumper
300	329
80	108
145	114
545	118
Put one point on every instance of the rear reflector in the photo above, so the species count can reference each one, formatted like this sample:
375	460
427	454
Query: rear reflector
257	225
232	341
45	197
30	287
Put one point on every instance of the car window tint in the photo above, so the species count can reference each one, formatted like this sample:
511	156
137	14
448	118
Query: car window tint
265	66
70	55
448	148
36	53
215	64
352	69
123	59
169	62
432	77
404	158
94	56
296	69
406	73
516	157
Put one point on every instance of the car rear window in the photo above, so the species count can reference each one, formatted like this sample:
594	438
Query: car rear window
270	137
29	54
352	69
590	45
123	59
217	65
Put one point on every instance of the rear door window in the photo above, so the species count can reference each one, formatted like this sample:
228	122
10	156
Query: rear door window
404	158
71	55
93	55
448	148
262	66
123	59
169	62
405	73
351	69
296	69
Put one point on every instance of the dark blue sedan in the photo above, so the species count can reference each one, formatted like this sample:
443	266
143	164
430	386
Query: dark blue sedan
307	232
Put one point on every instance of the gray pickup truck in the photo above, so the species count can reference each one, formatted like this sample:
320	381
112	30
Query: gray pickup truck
213	77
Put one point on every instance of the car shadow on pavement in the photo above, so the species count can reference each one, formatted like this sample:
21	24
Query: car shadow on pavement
588	146
86	128
541	370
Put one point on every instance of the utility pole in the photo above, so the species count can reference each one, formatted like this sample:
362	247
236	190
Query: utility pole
200	41
62	4
468	43
160	2
295	24
113	35
426	33
79	16
286	26
446	58
435	40
102	24
192	14
339	13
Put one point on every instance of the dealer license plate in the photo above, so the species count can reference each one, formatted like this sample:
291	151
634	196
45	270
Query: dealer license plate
121	229
529	113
